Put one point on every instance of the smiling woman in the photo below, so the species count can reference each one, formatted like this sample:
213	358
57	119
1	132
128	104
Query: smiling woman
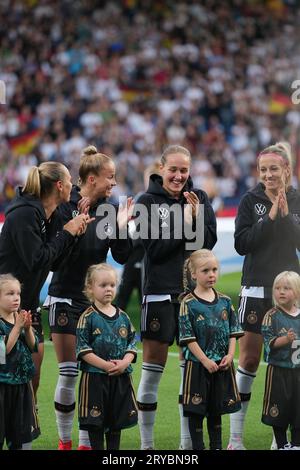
66	300
33	240
163	269
267	232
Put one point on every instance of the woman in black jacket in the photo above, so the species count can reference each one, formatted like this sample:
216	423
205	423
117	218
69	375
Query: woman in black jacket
66	300
174	208
33	240
267	233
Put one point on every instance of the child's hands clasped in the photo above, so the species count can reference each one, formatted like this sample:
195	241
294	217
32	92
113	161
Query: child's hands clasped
24	319
210	365
119	365
291	335
27	319
226	362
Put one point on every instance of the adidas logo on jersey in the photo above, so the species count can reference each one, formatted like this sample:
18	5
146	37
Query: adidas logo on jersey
283	331
97	331
200	317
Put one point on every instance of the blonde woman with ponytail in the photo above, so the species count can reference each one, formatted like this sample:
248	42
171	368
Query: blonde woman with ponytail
66	299
267	233
33	241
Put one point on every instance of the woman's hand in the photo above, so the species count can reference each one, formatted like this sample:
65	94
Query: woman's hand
282	203
191	209
78	225
84	205
274	209
125	213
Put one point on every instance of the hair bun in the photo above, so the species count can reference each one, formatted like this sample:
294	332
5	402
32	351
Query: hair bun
90	150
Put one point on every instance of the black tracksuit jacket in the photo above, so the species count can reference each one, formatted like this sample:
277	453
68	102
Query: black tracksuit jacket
31	245
269	246
68	281
164	259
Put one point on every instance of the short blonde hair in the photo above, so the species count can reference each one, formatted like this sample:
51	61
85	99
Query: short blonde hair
90	277
293	280
4	278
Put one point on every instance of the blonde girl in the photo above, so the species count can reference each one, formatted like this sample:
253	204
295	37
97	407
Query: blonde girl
17	343
208	328
106	349
281	335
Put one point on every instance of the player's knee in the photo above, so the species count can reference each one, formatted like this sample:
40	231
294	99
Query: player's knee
251	363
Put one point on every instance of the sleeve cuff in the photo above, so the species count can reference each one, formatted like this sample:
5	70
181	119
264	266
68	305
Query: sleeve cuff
189	339
83	352
236	334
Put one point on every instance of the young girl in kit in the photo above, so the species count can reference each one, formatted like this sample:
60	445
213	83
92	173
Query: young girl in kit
281	330
106	348
17	343
208	328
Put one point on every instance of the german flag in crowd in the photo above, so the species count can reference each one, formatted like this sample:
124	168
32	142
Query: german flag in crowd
25	143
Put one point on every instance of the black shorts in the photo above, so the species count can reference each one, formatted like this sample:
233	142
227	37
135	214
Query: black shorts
252	311
159	321
37	324
209	394
63	318
106	402
18	419
281	406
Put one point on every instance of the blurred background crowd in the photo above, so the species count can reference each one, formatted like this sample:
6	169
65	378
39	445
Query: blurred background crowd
132	76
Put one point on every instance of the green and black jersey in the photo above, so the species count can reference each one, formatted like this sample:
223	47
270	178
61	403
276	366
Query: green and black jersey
211	324
18	367
277	323
107	337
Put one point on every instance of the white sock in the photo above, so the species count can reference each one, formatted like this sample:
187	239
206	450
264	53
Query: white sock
244	380
84	439
64	399
27	446
185	437
147	402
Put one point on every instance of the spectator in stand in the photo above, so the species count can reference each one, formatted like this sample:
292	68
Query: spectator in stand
137	76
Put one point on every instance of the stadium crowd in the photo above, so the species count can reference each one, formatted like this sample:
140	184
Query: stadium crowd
133	76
